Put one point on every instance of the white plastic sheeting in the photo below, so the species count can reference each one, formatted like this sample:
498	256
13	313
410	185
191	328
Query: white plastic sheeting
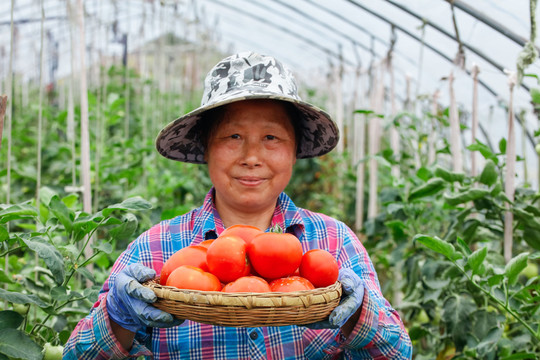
311	36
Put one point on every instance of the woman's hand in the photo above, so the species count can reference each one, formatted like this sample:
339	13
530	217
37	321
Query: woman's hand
128	302
351	301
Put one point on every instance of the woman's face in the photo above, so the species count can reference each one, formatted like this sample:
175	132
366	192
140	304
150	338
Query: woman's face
250	155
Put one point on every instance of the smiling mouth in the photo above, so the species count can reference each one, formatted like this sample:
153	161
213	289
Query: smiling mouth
250	181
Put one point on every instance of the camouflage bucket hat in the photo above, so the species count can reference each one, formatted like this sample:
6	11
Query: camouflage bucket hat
241	77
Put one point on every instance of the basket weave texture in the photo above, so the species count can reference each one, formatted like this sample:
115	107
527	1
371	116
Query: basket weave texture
247	309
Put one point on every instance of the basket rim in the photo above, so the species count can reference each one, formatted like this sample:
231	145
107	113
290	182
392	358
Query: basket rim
248	300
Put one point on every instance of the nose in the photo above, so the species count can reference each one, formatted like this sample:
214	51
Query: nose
251	154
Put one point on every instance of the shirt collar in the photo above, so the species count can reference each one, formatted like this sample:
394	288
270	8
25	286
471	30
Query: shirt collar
208	222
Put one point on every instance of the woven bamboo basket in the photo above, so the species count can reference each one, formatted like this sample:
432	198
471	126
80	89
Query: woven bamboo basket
247	309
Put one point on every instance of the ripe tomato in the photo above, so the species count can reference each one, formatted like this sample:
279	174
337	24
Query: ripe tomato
246	232
254	284
275	255
193	278
194	255
206	243
227	259
290	284
319	267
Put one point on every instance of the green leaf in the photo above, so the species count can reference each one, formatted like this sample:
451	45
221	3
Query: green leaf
483	149
20	298
17	344
4	278
521	355
432	187
10	319
70	200
535	95
532	237
126	229
50	255
476	259
4	234
60	293
529	219
17	211
469	195
46	194
449	176
489	341
462	245
438	245
132	204
515	266
62	213
104	246
489	174
483	322
86	273
456	311
502	146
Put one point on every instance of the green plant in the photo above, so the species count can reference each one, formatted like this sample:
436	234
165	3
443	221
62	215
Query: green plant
49	250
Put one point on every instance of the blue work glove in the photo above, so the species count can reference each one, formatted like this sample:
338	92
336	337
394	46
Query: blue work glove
351	300
128	302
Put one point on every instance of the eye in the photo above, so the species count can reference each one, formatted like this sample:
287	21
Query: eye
235	136
270	137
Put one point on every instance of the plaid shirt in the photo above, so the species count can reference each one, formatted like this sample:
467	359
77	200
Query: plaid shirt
379	333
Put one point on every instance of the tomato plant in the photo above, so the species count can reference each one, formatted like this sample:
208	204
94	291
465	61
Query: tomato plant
227	258
254	284
290	284
246	232
275	255
319	267
193	255
193	278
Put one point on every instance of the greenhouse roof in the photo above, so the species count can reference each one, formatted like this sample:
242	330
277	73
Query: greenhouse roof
427	39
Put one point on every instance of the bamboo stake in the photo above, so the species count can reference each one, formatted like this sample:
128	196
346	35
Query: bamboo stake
71	105
339	104
8	132
373	143
40	112
85	137
474	127
455	133
432	139
394	135
359	154
3	108
9	113
510	169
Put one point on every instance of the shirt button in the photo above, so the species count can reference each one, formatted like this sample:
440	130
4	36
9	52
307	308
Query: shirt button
253	335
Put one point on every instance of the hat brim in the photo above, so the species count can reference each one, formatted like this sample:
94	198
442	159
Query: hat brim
180	140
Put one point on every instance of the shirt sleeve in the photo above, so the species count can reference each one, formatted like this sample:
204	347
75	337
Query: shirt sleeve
379	332
93	338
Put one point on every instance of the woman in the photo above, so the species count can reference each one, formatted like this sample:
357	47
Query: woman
249	130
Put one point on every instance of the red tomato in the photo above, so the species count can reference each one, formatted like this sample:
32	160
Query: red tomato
275	255
193	278
193	255
319	267
290	284
254	284
227	259
246	232
206	243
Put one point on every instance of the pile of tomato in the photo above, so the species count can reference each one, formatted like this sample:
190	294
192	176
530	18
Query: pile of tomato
246	259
